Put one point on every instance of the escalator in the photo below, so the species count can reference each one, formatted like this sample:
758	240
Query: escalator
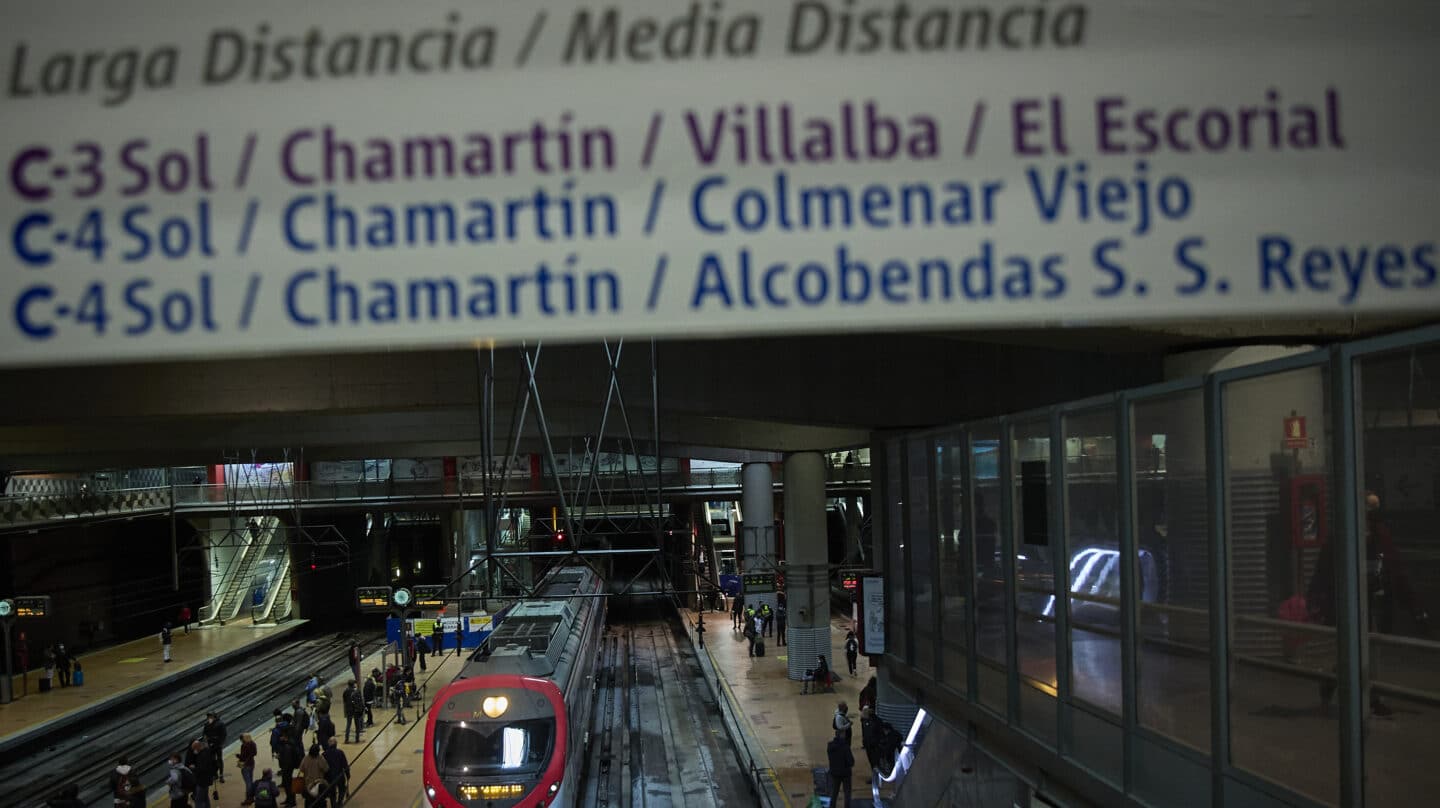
237	586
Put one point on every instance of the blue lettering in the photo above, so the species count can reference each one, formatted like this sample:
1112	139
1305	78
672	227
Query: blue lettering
292	237
34	257
31	328
697	205
292	296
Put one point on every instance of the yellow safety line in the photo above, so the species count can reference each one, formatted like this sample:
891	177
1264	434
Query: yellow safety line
735	703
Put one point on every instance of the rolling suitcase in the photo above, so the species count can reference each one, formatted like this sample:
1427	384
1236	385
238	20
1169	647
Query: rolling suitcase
759	648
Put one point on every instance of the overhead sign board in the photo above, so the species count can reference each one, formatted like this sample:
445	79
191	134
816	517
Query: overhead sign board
32	606
373	598
759	582
337	175
429	597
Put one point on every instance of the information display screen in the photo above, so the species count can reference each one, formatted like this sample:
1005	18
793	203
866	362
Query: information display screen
429	597
373	598
759	582
34	606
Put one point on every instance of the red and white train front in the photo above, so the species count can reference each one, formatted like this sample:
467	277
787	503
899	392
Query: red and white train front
496	741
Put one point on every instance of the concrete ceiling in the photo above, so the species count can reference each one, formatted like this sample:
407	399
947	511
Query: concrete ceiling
726	398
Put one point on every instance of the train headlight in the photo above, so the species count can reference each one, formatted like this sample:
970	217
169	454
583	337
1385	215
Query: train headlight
555	786
495	706
430	792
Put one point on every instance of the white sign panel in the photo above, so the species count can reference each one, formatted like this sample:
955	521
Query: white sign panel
188	179
874	616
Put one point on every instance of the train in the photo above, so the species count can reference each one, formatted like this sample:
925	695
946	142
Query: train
510	730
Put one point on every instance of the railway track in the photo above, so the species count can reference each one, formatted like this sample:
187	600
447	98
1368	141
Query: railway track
243	694
656	738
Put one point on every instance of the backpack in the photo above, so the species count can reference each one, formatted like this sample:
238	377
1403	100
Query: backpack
266	795
187	779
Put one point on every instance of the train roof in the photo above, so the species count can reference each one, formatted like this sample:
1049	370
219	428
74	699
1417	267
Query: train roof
533	636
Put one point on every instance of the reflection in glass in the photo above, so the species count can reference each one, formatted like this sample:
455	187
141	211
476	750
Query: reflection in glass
950	469
921	541
1399	440
1092	524
991	631
1034	573
1171	528
896	625
1282	651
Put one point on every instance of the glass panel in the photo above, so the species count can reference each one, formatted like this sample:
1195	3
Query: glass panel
950	467
1172	523
991	631
1092	515
921	544
896	626
1281	666
1034	571
1399	438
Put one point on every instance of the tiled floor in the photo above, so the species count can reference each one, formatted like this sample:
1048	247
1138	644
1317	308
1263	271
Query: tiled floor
794	728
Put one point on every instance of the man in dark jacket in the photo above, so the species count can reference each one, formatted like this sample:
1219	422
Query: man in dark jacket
437	639
289	760
280	730
870	736
841	764
354	711
324	730
200	761
215	739
338	777
422	650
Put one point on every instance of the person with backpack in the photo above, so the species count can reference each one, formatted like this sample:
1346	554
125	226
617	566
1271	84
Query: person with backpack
749	633
179	783
354	704
314	768
118	776
323	697
310	687
280	730
870	739
132	791
842	763
422	650
852	650
841	721
265	794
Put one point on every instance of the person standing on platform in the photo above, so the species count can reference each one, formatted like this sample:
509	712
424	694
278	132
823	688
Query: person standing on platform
422	650
314	768
185	618
750	635
22	660
179	782
759	624
280	730
215	734
299	724
201	761
868	695
132	791
355	660
700	629
338	778
870	739
265	794
372	690
767	619
842	763
852	650
737	608
245	759
165	641
841	721
410	650
289	760
323	698
324	730
459	635
119	775
437	639
780	618
310	688
63	660
354	710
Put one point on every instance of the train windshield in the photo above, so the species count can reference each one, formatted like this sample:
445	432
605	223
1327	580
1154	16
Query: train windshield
488	748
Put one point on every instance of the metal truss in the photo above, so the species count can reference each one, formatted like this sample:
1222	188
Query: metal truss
579	490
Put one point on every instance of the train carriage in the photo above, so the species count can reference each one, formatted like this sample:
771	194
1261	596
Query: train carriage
510	731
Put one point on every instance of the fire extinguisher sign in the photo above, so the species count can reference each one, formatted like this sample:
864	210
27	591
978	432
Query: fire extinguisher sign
1295	437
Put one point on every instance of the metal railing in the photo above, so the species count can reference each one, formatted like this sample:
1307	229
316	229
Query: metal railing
20	511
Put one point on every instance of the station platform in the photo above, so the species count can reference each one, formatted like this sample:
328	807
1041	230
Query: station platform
793	729
385	766
122	672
